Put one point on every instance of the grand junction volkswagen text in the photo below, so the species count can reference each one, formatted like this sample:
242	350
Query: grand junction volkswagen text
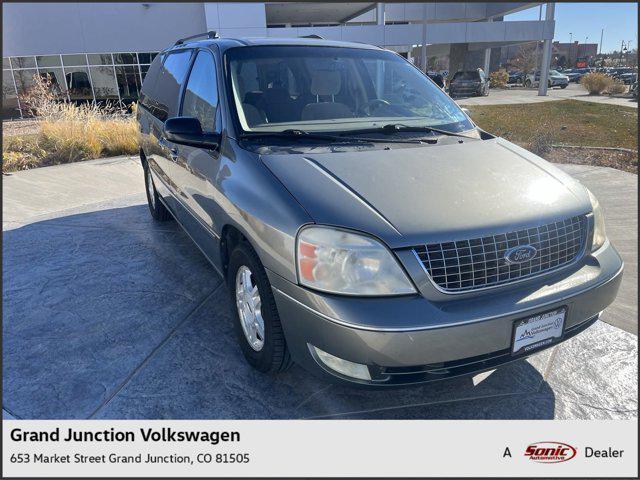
366	228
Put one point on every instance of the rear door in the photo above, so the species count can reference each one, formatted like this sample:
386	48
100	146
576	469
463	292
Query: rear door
165	105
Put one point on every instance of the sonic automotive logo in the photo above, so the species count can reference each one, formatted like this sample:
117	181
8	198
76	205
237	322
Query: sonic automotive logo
550	452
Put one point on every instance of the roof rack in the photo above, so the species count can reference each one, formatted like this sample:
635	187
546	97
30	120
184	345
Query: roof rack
313	35
210	34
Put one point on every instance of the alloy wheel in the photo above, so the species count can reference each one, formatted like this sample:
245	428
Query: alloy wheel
249	305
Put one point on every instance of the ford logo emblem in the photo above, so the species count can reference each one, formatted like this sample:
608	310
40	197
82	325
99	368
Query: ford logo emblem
520	254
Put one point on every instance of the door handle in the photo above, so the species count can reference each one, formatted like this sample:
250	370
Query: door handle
173	152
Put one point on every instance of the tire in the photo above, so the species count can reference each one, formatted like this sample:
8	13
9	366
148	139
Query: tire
159	212
273	355
527	83
563	86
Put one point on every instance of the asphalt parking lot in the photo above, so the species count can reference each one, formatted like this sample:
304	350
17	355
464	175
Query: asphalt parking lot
110	315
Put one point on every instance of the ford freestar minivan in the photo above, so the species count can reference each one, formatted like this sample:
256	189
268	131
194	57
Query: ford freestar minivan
366	228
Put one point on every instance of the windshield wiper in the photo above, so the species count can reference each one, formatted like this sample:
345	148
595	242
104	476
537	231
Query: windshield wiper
391	128
303	134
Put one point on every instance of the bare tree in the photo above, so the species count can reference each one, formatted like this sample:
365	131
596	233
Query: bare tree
526	60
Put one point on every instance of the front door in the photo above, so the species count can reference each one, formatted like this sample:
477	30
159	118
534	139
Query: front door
197	169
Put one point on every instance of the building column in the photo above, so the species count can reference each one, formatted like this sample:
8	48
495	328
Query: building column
380	13
487	60
487	56
546	54
423	50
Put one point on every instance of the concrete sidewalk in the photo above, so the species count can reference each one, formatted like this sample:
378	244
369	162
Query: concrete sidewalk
110	315
514	96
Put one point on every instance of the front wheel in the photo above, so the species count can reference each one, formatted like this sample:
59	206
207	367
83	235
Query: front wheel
563	86
256	320
527	83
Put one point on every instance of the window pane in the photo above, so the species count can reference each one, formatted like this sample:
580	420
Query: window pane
24	79
124	58
143	70
48	61
23	62
99	59
201	94
56	78
128	83
5	63
79	84
104	83
147	57
9	97
73	60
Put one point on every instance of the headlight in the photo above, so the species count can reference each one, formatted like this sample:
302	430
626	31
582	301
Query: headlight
342	262
599	235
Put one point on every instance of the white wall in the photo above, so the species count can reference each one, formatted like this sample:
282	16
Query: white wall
236	19
47	28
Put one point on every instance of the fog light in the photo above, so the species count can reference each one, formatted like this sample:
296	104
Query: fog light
344	367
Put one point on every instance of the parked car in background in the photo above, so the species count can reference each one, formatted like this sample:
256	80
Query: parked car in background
516	77
633	89
364	226
628	78
556	79
469	83
576	74
437	78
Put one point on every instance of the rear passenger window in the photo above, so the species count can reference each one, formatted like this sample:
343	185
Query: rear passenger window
201	95
170	80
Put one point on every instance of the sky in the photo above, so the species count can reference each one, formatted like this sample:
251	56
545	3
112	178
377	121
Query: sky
619	20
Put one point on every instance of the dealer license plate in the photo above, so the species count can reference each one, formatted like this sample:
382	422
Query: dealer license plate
538	332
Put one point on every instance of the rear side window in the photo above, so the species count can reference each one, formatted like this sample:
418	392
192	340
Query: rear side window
167	88
201	94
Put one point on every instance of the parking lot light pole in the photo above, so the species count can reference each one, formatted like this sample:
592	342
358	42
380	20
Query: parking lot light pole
546	53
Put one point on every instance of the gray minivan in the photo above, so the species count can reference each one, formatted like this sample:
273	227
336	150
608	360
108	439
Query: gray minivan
367	229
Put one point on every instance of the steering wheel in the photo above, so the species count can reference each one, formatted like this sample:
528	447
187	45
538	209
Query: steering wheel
374	104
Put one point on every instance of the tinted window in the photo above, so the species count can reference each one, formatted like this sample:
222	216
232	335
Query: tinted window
466	76
166	90
201	95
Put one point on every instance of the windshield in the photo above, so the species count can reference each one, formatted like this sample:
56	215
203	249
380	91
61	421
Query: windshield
322	89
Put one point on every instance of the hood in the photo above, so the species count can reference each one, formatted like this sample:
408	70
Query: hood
409	196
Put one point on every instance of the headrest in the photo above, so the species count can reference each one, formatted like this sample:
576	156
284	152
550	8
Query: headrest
325	82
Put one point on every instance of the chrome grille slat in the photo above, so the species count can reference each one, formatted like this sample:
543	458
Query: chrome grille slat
470	264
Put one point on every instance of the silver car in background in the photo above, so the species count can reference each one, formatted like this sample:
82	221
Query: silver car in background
367	229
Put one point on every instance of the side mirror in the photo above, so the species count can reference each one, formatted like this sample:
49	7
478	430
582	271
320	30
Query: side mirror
188	131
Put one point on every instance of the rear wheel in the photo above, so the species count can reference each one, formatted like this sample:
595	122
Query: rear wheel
158	211
256	319
563	86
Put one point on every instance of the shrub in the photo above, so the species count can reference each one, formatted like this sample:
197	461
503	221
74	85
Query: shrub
596	83
68	132
617	88
499	78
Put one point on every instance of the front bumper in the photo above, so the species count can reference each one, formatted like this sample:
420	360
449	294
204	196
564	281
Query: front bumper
411	339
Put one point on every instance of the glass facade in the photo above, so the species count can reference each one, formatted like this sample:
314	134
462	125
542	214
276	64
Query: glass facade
92	77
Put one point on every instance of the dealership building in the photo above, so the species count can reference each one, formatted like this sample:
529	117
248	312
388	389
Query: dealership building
101	51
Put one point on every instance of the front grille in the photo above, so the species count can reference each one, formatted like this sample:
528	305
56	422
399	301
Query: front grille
476	263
